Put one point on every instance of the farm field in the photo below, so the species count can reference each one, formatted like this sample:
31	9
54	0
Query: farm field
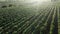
18	20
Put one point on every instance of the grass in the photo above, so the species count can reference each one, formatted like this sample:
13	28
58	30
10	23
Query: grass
30	20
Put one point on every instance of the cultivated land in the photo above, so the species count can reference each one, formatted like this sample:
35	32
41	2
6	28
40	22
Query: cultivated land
23	20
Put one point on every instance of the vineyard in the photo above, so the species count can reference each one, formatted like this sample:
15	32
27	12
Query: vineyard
27	21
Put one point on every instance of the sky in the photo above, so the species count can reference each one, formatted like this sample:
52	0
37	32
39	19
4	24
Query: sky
36	1
26	0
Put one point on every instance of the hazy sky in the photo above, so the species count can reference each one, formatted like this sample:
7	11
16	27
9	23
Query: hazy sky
26	0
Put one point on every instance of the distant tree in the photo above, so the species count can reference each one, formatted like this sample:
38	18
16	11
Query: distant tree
54	0
4	6
10	5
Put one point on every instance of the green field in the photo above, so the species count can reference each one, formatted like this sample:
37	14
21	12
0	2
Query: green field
30	20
